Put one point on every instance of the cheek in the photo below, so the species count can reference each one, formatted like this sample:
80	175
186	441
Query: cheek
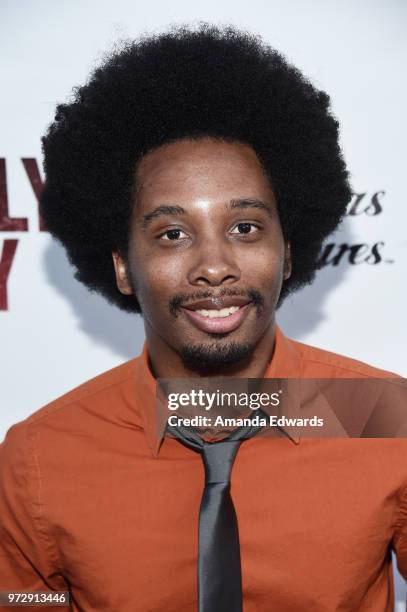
156	278
264	265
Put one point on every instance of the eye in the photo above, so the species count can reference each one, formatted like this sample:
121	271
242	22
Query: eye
173	235
244	228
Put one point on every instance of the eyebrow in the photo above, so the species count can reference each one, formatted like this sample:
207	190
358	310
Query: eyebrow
161	211
240	203
251	203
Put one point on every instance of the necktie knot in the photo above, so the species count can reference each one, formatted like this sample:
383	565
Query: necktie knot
218	460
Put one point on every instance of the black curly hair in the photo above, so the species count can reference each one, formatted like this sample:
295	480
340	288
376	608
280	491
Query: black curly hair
189	83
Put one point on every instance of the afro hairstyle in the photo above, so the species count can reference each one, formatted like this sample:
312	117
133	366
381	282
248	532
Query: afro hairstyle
187	82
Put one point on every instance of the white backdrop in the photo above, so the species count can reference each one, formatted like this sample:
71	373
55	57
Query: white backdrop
53	333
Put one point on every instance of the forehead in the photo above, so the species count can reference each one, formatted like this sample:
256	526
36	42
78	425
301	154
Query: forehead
207	168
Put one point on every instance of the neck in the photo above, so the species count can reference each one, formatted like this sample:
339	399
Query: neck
165	362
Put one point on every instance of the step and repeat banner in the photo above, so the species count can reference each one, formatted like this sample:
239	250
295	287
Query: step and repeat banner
54	334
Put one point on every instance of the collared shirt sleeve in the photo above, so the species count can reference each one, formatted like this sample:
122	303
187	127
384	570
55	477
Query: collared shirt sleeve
400	537
27	557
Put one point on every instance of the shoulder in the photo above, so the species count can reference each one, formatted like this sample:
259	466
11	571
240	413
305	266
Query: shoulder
77	409
317	362
93	390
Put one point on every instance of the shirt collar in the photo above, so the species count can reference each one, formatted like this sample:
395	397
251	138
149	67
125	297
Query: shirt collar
285	363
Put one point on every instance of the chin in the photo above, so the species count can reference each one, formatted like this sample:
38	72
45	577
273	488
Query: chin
205	356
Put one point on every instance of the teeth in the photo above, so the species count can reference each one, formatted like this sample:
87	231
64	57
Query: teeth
225	312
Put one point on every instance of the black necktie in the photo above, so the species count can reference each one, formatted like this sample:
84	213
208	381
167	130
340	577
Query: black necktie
219	570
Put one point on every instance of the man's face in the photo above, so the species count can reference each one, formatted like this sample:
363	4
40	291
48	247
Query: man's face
206	255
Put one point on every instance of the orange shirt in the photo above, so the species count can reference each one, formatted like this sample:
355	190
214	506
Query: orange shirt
91	497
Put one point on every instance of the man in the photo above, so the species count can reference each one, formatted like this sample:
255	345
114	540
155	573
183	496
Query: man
193	179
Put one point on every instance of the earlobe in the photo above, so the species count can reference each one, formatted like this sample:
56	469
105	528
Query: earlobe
287	261
122	279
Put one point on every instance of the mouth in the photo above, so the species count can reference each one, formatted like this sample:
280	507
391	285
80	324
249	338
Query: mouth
218	316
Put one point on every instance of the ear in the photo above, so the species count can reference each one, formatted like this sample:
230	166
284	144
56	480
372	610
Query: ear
287	262
122	278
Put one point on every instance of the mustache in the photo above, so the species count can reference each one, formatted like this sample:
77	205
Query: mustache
181	299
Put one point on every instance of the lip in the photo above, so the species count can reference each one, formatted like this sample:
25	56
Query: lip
218	303
217	325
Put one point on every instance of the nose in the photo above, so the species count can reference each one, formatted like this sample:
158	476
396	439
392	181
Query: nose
213	264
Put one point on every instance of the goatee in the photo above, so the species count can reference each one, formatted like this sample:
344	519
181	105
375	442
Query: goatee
210	356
